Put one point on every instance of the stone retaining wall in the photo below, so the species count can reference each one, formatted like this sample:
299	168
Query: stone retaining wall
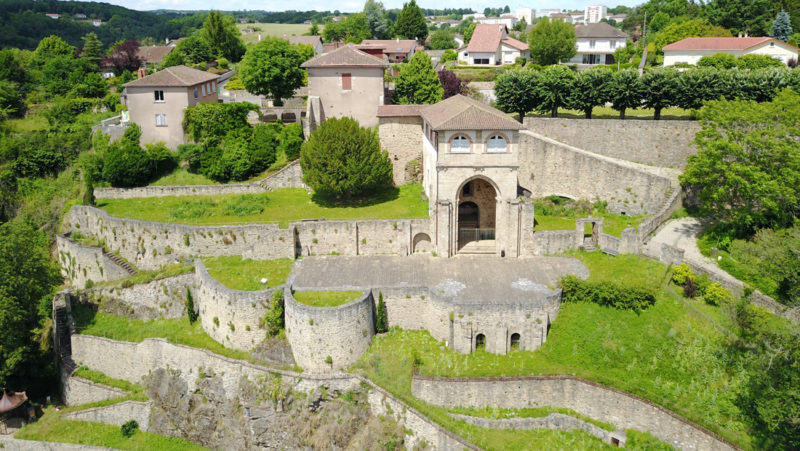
162	298
588	398
116	414
81	263
290	176
548	167
557	421
134	361
77	390
11	443
231	317
665	143
317	334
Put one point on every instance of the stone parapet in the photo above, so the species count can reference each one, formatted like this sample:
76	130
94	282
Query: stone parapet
82	263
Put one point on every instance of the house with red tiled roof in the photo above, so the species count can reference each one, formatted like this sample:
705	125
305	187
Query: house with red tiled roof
690	50
491	46
396	50
345	82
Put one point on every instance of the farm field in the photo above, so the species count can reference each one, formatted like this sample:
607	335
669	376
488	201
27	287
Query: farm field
273	29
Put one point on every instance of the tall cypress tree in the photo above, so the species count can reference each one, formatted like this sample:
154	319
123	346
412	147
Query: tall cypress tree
411	23
381	320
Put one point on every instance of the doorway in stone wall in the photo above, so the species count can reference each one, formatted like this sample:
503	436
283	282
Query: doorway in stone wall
480	342
477	211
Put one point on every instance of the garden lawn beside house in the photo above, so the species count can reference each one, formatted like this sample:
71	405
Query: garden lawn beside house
245	274
672	353
282	206
326	298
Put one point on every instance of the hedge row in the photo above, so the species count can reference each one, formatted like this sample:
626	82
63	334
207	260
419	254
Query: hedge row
608	294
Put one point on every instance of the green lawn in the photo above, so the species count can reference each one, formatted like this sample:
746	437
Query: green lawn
282	206
52	428
538	412
557	213
29	124
101	378
239	274
326	298
182	177
604	112
177	330
673	353
274	29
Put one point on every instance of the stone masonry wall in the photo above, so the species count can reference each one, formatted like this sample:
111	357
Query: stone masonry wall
550	242
291	176
548	167
370	237
402	138
134	361
664	143
231	317
116	414
596	401
342	333
77	390
81	263
162	298
150	245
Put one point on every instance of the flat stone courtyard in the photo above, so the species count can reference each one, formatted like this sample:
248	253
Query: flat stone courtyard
462	278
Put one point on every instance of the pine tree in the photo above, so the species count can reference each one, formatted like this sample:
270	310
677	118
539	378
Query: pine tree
381	322
411	23
222	35
314	29
417	82
378	24
190	310
782	26
92	49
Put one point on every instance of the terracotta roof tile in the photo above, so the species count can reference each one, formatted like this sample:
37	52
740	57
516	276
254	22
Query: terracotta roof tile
721	43
398	110
154	53
393	45
175	76
463	113
519	45
346	56
486	38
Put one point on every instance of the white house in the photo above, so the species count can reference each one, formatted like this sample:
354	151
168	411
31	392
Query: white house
690	50
474	16
594	14
491	46
525	13
547	12
597	43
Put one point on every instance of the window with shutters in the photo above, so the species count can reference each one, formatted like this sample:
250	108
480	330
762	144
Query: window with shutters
347	82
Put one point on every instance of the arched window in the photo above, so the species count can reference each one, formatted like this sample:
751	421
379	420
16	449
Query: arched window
496	144
515	342
480	342
460	144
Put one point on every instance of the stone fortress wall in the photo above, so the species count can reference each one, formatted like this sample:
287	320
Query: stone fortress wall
591	399
328	338
81	263
160	298
664	143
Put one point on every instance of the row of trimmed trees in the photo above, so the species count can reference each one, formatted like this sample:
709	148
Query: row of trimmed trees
554	87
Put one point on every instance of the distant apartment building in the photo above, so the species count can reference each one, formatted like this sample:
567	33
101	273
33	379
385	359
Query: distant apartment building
525	13
157	102
547	12
509	20
594	14
474	16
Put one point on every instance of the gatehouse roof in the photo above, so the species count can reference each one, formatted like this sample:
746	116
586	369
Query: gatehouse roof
463	113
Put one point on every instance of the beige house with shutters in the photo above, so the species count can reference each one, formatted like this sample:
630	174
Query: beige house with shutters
345	82
156	102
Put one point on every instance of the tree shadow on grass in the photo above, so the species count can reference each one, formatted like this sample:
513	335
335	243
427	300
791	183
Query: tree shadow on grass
83	315
365	200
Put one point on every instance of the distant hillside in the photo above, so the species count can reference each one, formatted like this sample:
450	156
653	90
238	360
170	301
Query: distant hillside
23	22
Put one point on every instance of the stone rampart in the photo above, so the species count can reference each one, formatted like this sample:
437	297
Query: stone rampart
11	443
588	398
557	421
548	167
290	176
77	390
231	317
81	263
116	414
663	143
150	245
672	203
369	237
550	242
161	298
134	361
328	338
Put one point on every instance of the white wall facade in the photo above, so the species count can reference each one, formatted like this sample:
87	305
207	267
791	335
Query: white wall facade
599	48
525	13
594	14
783	53
510	54
470	58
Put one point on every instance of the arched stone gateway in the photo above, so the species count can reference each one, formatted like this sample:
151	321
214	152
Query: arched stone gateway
421	243
477	216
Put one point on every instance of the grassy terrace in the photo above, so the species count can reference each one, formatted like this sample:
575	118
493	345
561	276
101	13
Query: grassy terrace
557	213
282	206
673	353
326	298
240	274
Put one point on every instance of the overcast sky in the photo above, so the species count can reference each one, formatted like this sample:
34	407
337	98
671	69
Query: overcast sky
348	5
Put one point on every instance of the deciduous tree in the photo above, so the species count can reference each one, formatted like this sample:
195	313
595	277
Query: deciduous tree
555	88
591	89
442	40
272	67
552	41
341	158
517	91
659	89
451	83
625	91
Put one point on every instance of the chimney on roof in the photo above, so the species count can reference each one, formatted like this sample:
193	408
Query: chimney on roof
398	39
746	33
141	73
740	34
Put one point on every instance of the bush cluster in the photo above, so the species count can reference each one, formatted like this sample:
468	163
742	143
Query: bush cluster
693	285
126	164
608	294
545	91
273	320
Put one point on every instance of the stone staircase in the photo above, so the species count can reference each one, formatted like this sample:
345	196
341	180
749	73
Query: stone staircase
588	245
122	263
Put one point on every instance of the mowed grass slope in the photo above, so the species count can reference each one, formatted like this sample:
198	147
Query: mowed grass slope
237	273
282	206
673	353
274	29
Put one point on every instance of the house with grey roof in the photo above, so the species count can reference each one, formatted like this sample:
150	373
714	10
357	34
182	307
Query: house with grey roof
345	82
491	46
597	43
314	41
468	156
156	102
395	50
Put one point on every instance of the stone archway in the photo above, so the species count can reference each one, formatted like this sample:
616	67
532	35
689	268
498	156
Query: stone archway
477	215
421	243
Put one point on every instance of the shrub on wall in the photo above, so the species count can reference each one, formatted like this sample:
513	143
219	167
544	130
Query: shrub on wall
341	158
190	309
608	294
273	320
381	322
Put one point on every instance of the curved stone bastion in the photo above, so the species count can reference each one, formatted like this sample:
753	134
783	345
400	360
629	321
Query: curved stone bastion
328	338
470	303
